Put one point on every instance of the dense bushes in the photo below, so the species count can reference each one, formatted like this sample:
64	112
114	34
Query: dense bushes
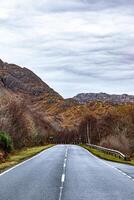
27	127
6	144
119	142
112	128
104	124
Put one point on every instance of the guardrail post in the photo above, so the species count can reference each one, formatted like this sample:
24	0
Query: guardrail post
127	158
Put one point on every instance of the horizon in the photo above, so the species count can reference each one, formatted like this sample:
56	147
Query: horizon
90	92
74	46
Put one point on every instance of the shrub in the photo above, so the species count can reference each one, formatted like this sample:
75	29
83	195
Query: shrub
118	142
5	142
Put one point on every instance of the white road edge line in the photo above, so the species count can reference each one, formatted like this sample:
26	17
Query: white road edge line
22	163
120	171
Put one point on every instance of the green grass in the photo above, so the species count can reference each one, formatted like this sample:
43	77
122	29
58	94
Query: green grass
19	156
105	156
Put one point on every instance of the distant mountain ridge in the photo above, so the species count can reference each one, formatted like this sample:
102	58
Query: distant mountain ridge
84	98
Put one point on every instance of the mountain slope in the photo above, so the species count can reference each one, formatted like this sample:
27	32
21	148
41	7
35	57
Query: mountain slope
22	80
33	113
22	99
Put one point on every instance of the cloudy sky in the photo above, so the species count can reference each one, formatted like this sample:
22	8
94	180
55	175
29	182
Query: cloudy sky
73	45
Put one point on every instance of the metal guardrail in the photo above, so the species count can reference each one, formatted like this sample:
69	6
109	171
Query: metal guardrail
110	151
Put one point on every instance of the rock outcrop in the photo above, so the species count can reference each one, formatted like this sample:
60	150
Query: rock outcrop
22	80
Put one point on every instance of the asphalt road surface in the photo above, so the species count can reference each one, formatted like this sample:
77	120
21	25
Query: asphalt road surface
67	172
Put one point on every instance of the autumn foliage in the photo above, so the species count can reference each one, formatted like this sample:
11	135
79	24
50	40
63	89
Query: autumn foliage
112	127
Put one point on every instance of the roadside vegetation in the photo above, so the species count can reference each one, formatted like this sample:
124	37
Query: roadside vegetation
6	143
104	124
105	156
18	156
110	126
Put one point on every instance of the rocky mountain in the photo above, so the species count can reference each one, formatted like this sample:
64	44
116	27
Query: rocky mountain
24	102
113	98
34	114
22	80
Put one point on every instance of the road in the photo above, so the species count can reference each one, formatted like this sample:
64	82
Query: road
67	172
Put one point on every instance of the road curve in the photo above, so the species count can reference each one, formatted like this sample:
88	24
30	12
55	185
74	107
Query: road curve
66	172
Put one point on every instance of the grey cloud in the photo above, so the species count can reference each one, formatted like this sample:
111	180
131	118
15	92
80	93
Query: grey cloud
76	42
81	5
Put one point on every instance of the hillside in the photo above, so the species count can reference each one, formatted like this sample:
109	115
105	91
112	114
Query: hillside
33	113
113	98
22	80
22	95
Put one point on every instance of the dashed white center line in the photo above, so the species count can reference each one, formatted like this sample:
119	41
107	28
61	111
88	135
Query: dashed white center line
64	166
63	175
63	178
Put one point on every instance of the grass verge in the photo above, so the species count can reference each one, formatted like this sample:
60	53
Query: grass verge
19	156
106	156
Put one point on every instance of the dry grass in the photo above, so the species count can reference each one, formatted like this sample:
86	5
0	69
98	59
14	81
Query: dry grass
22	155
